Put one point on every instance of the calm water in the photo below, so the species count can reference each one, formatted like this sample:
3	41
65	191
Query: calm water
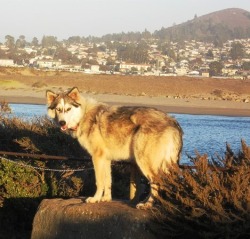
205	133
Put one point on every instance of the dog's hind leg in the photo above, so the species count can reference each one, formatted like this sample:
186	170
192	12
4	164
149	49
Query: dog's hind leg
150	153
149	201
100	166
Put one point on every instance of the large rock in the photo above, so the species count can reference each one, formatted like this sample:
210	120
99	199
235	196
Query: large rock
72	218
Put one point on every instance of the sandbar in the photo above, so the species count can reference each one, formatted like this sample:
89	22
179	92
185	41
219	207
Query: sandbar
169	105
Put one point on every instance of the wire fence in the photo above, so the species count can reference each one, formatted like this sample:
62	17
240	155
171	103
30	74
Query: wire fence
22	156
134	175
84	158
43	168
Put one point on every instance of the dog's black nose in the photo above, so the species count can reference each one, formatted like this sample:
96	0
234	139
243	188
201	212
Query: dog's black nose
62	122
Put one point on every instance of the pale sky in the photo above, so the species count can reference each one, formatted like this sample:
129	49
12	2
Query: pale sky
65	18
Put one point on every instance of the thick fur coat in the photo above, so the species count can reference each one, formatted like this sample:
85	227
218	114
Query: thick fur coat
146	135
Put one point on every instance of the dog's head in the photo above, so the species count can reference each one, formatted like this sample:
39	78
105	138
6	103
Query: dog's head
65	108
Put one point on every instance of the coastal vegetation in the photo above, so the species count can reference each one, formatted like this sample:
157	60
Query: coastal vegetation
201	202
208	201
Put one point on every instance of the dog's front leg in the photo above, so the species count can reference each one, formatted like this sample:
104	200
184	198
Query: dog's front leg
107	182
99	167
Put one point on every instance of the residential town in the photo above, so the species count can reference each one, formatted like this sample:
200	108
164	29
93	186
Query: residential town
189	58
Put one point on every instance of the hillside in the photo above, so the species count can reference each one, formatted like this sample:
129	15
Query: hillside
214	27
232	18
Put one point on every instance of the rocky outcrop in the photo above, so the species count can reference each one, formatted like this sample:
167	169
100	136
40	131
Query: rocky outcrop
72	218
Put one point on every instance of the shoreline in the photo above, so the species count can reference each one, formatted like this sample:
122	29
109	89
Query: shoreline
191	106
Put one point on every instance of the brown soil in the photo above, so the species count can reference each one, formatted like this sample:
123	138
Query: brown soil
172	94
179	87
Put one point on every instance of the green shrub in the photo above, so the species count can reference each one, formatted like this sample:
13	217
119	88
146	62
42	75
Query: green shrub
39	136
20	182
24	183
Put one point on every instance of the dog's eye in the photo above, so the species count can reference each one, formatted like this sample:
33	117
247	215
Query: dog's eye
59	110
68	109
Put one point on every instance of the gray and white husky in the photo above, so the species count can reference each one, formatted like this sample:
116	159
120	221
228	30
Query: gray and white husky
146	135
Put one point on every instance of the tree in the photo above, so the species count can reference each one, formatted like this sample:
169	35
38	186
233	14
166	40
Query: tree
246	66
74	40
21	42
134	69
237	51
102	48
18	43
215	68
61	53
133	53
171	54
210	54
2	54
10	41
110	61
35	42
49	41
146	34
218	42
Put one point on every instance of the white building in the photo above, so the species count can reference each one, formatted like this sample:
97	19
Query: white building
127	67
6	62
95	68
48	64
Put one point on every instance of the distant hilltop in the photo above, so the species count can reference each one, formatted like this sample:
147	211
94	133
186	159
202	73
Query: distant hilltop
232	17
218	26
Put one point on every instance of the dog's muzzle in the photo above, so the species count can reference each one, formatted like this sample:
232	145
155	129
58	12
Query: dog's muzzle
63	125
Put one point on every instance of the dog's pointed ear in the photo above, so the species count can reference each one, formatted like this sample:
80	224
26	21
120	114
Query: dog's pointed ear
51	96
74	94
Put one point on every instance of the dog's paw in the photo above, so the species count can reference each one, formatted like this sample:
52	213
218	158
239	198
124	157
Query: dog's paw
92	200
144	206
106	199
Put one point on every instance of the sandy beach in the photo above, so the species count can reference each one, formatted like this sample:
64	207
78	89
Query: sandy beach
170	105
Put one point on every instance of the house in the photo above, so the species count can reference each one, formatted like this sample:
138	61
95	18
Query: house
29	50
229	71
48	64
6	62
124	67
181	71
95	68
193	73
205	74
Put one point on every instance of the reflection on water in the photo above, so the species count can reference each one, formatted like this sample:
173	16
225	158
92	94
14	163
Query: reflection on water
204	133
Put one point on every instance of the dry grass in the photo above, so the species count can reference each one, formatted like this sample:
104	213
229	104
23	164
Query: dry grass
207	202
4	107
184	87
11	84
